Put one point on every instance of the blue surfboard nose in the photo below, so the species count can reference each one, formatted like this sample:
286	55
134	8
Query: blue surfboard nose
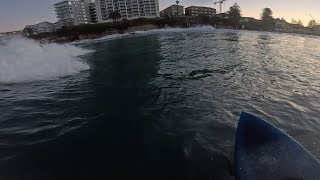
253	131
263	152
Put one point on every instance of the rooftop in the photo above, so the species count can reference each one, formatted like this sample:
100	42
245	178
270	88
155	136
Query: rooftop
62	2
199	7
175	5
65	1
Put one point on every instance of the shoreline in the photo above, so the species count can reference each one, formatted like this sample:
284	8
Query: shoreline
141	32
92	32
127	33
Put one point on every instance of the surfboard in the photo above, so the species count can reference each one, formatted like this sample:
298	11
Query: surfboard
263	152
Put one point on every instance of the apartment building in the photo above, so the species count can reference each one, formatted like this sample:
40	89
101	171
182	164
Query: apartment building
200	11
129	9
93	12
73	12
174	10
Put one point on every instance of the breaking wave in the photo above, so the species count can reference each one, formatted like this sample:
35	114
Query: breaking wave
148	32
24	60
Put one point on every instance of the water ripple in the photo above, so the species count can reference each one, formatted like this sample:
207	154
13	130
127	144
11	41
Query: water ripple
187	85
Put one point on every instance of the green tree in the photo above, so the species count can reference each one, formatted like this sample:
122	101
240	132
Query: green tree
299	22
28	32
293	21
312	25
205	19
266	14
114	15
234	13
268	23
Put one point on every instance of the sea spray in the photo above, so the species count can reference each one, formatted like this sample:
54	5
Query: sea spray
148	32
23	60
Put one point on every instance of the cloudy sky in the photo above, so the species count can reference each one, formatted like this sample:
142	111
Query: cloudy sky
16	14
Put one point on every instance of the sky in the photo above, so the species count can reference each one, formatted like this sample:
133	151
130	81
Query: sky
16	14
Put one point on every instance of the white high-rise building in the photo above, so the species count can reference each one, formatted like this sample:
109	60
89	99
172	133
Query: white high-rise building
129	9
93	12
73	12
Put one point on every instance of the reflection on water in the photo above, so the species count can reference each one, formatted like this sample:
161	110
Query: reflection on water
160	105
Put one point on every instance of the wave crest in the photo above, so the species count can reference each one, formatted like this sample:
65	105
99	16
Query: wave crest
26	60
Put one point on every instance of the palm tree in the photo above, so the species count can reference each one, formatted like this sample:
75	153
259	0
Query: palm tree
114	15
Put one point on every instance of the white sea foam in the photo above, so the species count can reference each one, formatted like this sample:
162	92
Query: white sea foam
141	33
177	30
24	60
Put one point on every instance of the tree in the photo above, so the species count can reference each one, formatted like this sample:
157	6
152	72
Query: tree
266	14
299	22
28	32
114	15
205	19
234	13
312	25
268	23
293	21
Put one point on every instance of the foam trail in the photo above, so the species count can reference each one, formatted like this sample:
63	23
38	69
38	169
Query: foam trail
177	30
148	32
24	60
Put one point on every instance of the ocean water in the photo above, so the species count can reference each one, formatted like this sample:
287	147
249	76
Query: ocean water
161	104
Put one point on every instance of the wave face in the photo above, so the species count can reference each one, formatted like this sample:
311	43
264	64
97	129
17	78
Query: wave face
24	60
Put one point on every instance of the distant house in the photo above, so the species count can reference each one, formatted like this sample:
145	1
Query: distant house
44	27
174	10
247	19
317	30
200	11
58	25
282	25
222	15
